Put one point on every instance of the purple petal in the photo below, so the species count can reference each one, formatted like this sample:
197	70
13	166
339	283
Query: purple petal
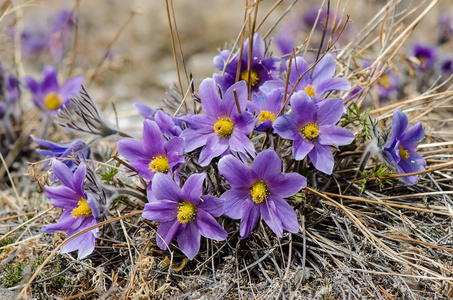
273	85
244	123
229	101
65	223
161	211
79	178
399	124
301	147
239	142
32	85
50	82
332	84
334	135
287	215
286	185
164	188
237	174
270	216
132	149
298	67
189	240
153	140
235	200
208	226
225	81
144	110
303	109
62	172
329	111
324	69
212	205
251	213
193	188
409	140
322	158
258	46
194	139
210	99
267	164
215	146
62	196
85	243
286	127
71	87
166	232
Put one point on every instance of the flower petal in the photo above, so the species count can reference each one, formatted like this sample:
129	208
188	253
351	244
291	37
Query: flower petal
153	140
161	211
79	178
271	217
235	199
166	232
324	69
62	172
71	87
334	135
399	124
215	146
301	147
237	174
164	188
208	226
193	188
329	111
287	215
303	109
286	185
50	82
322	158
251	213
286	127
267	164
210	99
132	149
212	205
62	196
189	240
194	139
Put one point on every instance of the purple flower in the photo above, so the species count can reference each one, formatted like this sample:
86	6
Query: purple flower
80	211
445	28
399	153
154	154
221	128
170	126
261	69
65	152
184	212
49	95
260	190
446	66
315	83
265	108
58	32
426	54
312	129
12	86
388	83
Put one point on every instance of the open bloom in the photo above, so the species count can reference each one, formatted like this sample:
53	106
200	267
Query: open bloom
400	152
222	127
80	211
265	109
185	213
312	129
315	83
261	69
63	151
260	190
154	154
49	95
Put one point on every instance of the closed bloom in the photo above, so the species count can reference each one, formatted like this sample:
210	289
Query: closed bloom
399	153
65	152
50	96
222	128
426	55
312	129
184	213
80	211
261	69
154	154
260	190
315	83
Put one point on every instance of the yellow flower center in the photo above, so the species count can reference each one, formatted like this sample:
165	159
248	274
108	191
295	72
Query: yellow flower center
159	164
310	90
385	81
82	209
224	127
186	212
52	101
266	115
403	153
259	191
253	77
310	131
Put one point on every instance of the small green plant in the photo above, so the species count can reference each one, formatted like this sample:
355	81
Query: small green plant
110	173
376	172
358	118
5	242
